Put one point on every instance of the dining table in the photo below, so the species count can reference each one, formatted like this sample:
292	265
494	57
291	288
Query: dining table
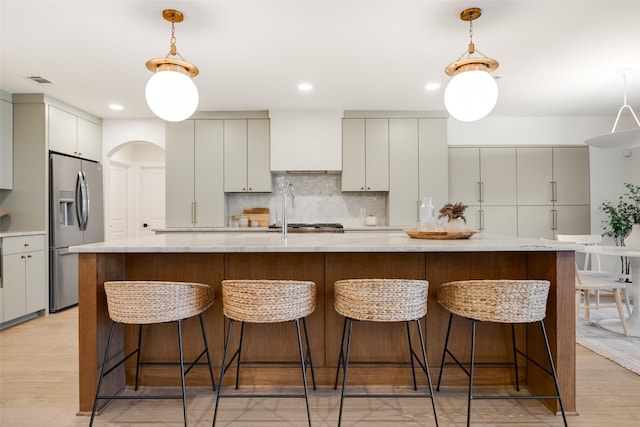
633	255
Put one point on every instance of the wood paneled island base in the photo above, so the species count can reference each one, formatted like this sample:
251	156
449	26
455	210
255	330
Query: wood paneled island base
378	341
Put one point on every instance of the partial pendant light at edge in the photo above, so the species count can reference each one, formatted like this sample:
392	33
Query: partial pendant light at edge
623	139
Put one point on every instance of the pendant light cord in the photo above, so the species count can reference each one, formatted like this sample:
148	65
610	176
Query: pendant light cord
624	105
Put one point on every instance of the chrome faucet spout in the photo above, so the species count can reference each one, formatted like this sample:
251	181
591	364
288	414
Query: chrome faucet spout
288	187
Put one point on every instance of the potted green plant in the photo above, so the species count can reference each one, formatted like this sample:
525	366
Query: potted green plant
623	222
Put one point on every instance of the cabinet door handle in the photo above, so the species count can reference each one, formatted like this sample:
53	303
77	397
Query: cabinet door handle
26	245
554	191
480	191
554	219
29	256
481	219
22	257
194	212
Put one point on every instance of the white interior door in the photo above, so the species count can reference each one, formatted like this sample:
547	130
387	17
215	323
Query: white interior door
118	201
152	199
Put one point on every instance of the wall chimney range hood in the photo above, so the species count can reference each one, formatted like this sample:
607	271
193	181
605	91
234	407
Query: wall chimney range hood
306	141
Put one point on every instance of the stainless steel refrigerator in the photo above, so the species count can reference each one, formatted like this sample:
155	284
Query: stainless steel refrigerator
76	218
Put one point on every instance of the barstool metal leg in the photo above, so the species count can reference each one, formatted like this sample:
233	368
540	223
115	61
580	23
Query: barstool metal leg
413	368
473	361
345	367
304	370
102	370
515	355
553	371
426	370
223	370
182	382
307	359
341	356
239	352
138	356
206	350
444	352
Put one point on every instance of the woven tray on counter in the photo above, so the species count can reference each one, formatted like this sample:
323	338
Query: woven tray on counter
440	235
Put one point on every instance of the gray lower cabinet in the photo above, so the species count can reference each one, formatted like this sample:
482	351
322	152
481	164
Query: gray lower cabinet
24	286
194	174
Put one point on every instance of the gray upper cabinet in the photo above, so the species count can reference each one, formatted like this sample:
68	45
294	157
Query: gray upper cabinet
365	154
484	179
246	155
70	134
535	176
6	141
571	176
553	191
194	164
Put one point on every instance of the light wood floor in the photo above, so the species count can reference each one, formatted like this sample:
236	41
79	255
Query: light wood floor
39	387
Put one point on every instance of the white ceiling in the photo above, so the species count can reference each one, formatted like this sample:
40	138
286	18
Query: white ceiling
559	57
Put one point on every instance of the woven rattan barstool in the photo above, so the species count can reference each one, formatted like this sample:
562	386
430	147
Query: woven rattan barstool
148	302
382	300
267	301
499	301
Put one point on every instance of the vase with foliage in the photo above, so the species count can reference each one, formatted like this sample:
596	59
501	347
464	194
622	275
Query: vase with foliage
454	212
623	221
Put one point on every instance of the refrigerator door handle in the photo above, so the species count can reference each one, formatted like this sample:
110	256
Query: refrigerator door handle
78	201
85	201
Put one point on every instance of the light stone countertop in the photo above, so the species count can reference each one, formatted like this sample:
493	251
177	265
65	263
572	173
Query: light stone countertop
263	229
392	241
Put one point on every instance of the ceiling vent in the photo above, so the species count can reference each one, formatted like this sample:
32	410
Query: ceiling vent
39	79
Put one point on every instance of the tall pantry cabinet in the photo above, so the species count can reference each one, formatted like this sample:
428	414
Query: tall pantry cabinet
194	174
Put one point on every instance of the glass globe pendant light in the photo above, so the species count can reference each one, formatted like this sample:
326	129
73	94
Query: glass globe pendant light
170	92
472	92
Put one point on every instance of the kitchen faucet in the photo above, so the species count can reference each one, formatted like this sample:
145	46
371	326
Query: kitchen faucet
286	188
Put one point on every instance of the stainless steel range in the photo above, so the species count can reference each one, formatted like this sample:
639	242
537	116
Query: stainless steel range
310	228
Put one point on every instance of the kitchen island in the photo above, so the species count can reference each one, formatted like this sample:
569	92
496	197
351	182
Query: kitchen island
324	258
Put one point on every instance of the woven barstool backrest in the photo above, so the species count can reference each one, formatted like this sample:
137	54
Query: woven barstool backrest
145	302
268	301
502	301
381	300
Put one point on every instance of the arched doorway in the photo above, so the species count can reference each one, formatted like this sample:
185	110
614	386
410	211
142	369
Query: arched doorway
134	190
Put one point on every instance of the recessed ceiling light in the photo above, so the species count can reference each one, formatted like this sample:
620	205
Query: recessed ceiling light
305	87
432	86
116	107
